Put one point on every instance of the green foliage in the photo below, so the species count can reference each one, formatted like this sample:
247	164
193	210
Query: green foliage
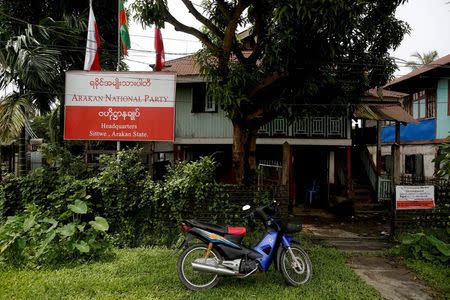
12	201
443	160
425	246
36	237
422	59
139	210
436	275
295	56
63	161
119	186
45	187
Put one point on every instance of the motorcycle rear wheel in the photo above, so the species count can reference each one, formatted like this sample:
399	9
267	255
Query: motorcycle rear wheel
294	273
193	279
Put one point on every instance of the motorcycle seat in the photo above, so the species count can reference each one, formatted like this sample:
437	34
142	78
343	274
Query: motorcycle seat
222	230
237	230
208	227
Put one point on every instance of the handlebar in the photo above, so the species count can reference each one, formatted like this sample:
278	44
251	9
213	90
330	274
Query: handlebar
263	212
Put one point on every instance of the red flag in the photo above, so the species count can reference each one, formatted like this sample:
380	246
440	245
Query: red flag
123	25
91	62
159	49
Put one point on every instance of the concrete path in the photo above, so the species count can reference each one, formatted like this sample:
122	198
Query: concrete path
390	279
394	282
345	240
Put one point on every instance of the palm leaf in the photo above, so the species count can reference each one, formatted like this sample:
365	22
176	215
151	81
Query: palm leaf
14	112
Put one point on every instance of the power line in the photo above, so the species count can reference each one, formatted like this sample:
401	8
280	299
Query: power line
312	63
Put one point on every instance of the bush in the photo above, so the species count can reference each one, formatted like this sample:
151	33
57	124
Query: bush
140	211
426	246
35	237
119	188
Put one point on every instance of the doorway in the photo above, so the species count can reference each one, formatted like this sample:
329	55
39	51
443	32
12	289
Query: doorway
311	169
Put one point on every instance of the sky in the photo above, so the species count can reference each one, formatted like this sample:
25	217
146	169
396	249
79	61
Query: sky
429	21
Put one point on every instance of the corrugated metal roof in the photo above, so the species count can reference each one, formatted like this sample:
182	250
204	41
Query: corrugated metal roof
383	112
439	63
373	93
183	66
188	66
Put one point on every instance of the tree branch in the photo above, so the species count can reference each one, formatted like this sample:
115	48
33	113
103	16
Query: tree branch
238	53
210	25
224	9
255	114
229	41
269	80
258	32
190	30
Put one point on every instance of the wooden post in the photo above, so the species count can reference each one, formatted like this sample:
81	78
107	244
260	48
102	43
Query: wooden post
379	148
378	157
349	170
292	185
151	151
396	160
286	164
86	149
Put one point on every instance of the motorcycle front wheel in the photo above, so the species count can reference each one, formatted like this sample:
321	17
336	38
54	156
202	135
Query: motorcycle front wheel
193	279
296	272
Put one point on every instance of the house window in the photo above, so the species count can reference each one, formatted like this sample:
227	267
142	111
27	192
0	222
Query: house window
201	101
407	105
414	165
386	164
431	104
210	104
424	104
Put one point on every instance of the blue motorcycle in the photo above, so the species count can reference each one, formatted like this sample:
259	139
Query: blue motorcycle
221	253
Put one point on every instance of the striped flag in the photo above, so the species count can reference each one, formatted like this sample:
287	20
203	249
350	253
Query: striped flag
123	25
91	61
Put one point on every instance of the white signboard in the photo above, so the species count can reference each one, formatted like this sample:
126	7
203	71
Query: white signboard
414	197
116	106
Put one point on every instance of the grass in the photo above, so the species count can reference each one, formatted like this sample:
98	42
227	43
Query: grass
436	275
151	274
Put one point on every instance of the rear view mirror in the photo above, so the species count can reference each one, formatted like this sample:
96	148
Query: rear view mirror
245	207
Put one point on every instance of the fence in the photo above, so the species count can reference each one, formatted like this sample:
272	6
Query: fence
438	217
236	196
384	189
307	127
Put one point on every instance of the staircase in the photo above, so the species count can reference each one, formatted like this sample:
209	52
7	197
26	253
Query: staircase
364	193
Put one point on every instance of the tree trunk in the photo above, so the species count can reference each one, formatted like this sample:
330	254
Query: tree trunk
60	137
22	164
244	154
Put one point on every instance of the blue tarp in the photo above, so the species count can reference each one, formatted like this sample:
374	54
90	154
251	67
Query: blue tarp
423	131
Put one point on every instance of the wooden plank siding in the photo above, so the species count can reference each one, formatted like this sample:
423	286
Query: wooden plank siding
198	125
216	128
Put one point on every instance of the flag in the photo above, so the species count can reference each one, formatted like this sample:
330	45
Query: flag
159	49
91	62
123	25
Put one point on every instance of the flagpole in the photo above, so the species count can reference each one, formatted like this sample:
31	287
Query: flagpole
118	34
118	49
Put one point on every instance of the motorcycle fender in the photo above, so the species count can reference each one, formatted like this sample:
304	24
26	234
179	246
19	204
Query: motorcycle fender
277	262
184	244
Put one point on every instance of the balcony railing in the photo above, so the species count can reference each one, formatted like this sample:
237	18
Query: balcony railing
307	127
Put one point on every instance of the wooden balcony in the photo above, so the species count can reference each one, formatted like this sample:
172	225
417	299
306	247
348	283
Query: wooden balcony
325	127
